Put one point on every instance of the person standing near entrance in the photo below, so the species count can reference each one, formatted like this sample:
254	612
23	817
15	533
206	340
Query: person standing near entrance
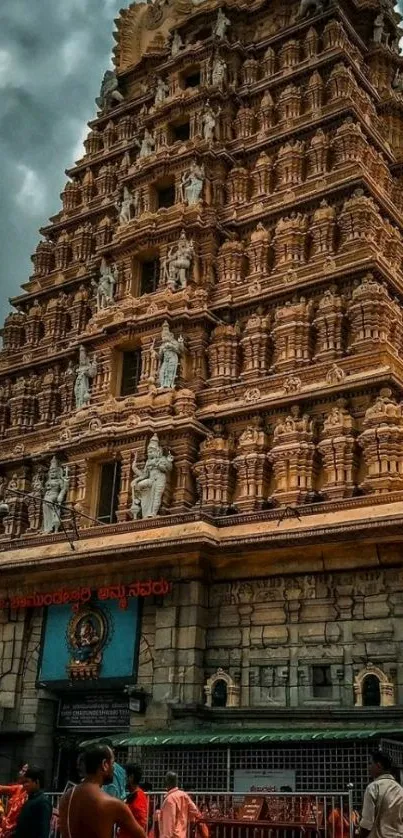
177	810
36	813
86	811
136	800
382	811
17	797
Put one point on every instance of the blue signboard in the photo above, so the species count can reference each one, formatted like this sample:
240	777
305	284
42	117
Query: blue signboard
96	641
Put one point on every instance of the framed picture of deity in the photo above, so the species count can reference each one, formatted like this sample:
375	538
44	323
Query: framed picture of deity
90	645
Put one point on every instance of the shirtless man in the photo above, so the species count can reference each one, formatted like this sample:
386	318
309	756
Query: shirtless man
86	811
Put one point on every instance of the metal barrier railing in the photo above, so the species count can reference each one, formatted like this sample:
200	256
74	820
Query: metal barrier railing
260	814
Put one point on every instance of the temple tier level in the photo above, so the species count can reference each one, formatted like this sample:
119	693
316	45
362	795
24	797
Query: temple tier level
201	407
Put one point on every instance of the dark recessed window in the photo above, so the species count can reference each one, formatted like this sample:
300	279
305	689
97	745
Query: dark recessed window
109	492
150	276
131	372
181	132
219	694
166	196
321	682
371	692
192	80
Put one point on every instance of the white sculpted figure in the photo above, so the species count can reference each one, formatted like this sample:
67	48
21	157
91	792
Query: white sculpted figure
221	25
105	287
209	123
148	484
397	82
110	95
86	370
169	354
147	144
125	206
177	44
161	91
56	486
219	72
178	263
192	183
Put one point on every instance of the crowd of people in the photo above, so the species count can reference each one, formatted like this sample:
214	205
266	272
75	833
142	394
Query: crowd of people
110	801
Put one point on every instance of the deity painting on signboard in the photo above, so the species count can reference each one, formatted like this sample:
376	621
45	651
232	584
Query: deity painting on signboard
87	635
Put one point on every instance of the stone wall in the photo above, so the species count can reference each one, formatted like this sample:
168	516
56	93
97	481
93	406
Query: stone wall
267	634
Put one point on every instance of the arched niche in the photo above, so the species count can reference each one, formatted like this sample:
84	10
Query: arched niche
372	688
221	690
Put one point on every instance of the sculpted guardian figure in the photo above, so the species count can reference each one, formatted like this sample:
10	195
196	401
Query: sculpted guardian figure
147	145
219	72
192	184
169	354
110	95
56	487
307	6
178	263
126	204
209	123
86	370
161	91
148	484
105	287
221	25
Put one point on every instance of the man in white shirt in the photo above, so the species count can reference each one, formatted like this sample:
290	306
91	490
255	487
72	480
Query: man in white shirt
382	811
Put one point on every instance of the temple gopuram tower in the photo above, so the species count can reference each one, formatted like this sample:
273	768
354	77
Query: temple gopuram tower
201	408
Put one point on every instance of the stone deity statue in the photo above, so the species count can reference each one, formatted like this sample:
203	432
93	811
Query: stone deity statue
178	263
379	29
110	95
161	91
209	123
147	145
219	72
86	370
105	287
397	83
169	354
191	186
177	44
148	484
221	25
125	206
56	487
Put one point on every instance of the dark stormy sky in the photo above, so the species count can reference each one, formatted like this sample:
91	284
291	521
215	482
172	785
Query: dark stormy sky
52	57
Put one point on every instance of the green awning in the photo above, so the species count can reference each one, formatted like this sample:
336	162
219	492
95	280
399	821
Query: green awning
246	737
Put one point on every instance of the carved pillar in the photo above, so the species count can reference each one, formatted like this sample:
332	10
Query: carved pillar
269	63
43	258
238	186
81	243
62	251
293	458
291	334
125	496
250	71
49	397
80	311
359	221
15	522
373	316
289	103
214	474
322	231
184	449
349	144
103	233
101	387
88	188
338	449
289	241
255	347
311	43
258	252
266	113
316	155
261	177
244	123
290	164
251	466
329	324
315	92
230	265
245	615
14	334
223	355
382	443
289	55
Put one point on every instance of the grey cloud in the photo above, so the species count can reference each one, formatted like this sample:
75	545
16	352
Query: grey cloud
52	58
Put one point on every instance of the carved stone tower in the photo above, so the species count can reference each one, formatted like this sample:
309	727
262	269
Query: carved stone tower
204	369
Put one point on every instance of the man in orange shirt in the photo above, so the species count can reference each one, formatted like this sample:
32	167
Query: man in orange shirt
17	797
136	800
